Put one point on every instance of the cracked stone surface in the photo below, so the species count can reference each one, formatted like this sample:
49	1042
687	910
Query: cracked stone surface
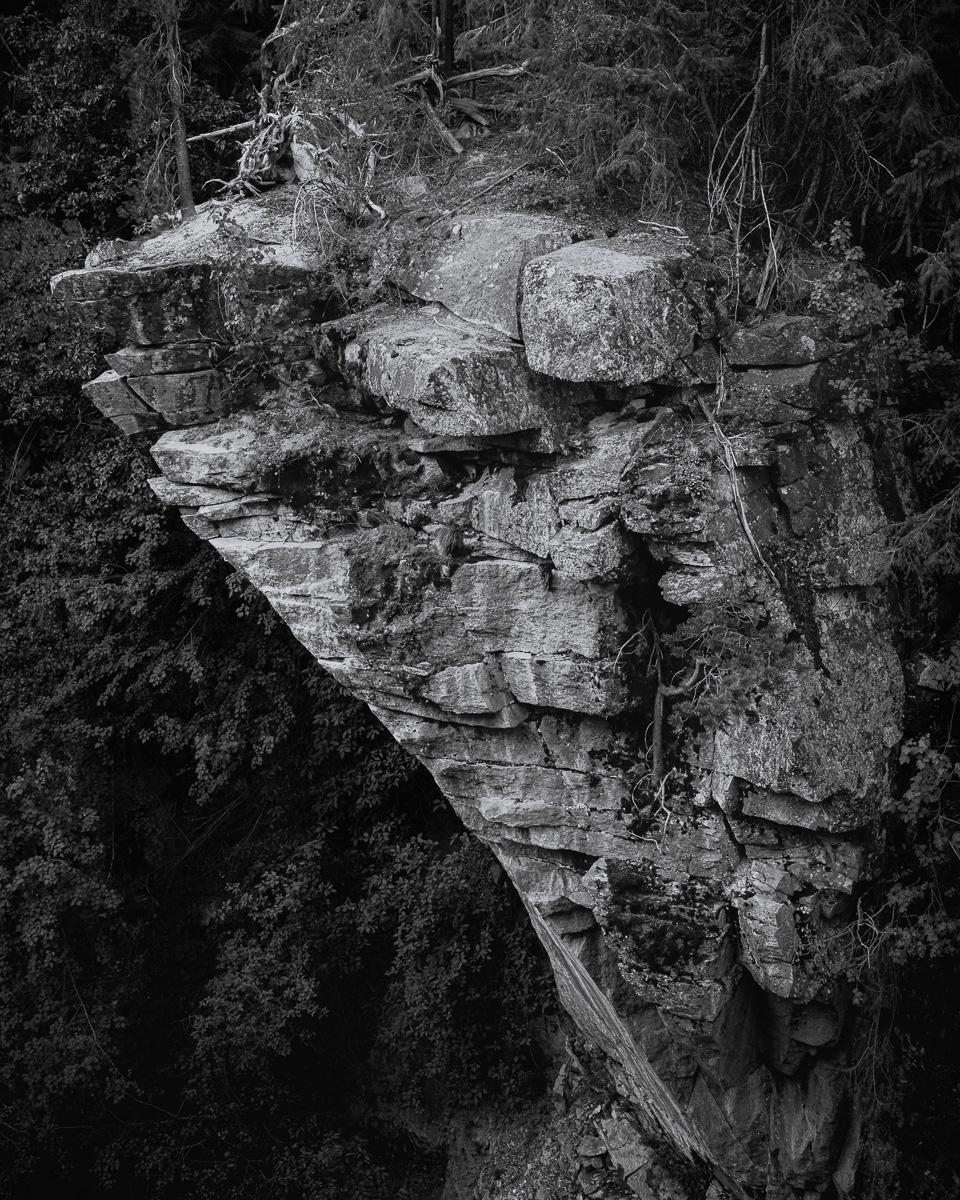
623	602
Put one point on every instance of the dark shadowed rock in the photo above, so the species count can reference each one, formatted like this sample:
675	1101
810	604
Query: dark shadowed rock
779	341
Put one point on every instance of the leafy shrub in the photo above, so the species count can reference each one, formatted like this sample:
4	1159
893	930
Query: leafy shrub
468	981
59	960
44	355
241	860
69	115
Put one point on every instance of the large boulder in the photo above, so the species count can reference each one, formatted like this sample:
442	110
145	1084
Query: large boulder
621	311
191	281
142	304
472	264
450	376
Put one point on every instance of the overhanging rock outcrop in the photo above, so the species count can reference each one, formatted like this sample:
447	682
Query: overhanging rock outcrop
615	584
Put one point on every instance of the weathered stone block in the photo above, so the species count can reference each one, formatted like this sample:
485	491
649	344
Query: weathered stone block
322	626
131	424
789	395
472	264
232	506
551	887
734	1124
776	396
779	341
768	932
530	522
556	682
182	399
610	311
113	397
147	304
474	688
388	690
826	484
572	921
110	283
588	514
822	734
511	606
590	554
630	1153
450	376
584	743
225	459
529	796
189	496
313	570
669	500
158	360
597	471
811	1112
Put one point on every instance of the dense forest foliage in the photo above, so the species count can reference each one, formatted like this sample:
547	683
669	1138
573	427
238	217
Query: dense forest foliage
239	930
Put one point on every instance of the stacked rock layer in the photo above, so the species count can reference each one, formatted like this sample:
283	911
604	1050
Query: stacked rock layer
608	566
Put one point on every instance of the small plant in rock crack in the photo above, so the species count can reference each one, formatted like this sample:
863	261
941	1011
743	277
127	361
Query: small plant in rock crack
903	362
658	917
292	425
848	294
658	796
390	564
922	904
263	316
233	272
911	914
652	808
927	542
740	650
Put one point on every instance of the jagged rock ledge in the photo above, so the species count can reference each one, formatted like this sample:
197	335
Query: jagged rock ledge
484	508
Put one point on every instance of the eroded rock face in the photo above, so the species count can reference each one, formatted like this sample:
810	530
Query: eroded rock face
621	599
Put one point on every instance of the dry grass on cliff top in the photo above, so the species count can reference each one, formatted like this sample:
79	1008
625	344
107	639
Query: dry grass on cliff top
494	174
310	225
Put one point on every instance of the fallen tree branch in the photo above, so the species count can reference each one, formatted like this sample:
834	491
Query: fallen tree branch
486	73
439	126
473	196
215	133
428	74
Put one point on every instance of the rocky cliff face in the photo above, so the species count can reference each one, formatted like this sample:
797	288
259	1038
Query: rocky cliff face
608	565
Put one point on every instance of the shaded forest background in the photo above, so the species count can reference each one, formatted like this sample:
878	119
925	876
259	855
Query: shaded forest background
240	932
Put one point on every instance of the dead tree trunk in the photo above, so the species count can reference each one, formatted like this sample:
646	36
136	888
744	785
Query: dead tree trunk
169	12
447	36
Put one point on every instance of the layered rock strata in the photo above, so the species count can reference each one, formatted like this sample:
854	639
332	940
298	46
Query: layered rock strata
615	584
